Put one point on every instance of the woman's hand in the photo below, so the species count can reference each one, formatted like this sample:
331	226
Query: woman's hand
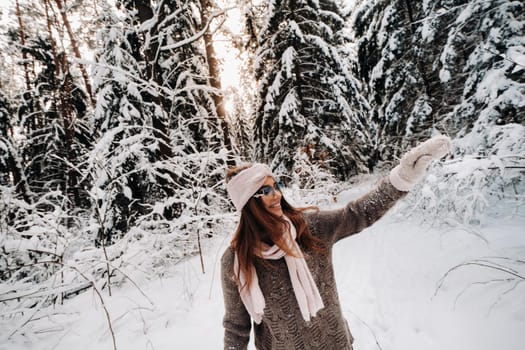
414	163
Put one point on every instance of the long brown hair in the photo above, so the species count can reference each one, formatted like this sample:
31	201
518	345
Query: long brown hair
257	226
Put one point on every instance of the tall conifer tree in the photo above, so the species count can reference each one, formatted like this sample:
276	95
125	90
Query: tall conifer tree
309	107
50	103
155	115
439	66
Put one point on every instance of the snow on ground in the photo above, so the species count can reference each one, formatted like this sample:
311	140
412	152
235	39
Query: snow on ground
390	283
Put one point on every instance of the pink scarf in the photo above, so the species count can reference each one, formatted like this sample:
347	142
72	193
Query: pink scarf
303	284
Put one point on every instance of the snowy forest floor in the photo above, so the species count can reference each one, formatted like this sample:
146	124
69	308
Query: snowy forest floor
390	279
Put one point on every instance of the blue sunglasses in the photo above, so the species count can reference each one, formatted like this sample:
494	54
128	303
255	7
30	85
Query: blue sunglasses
269	190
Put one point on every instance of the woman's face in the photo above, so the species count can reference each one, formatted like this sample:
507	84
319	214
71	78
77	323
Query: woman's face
272	201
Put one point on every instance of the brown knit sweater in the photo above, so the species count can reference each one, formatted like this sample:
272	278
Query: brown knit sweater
282	326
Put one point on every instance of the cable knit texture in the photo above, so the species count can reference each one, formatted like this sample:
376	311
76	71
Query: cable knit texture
283	326
306	292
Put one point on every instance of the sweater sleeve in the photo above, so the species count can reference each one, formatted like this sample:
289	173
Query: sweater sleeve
236	321
333	225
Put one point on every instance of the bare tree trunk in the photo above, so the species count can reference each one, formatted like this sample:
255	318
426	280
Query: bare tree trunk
23	43
75	49
69	129
215	79
64	106
52	41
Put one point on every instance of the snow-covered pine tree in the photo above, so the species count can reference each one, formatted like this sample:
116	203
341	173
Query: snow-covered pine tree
43	128
198	133
391	64
457	67
50	103
483	60
243	100
191	97
52	116
309	104
158	136
424	63
240	119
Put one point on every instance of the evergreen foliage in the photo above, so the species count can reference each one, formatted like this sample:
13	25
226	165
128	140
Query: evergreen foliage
154	117
147	162
6	145
53	119
452	67
439	66
244	99
241	122
309	102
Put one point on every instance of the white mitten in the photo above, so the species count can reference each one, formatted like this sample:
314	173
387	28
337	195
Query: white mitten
414	163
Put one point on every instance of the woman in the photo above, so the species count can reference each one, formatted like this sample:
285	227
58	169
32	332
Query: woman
278	269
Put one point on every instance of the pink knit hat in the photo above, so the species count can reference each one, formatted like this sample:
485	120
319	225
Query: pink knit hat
243	186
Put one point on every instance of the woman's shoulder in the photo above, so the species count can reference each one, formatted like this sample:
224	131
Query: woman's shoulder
322	223
314	218
227	258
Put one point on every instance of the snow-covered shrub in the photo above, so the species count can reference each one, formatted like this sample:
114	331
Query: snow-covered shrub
307	173
36	242
485	177
49	253
200	199
170	224
30	232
